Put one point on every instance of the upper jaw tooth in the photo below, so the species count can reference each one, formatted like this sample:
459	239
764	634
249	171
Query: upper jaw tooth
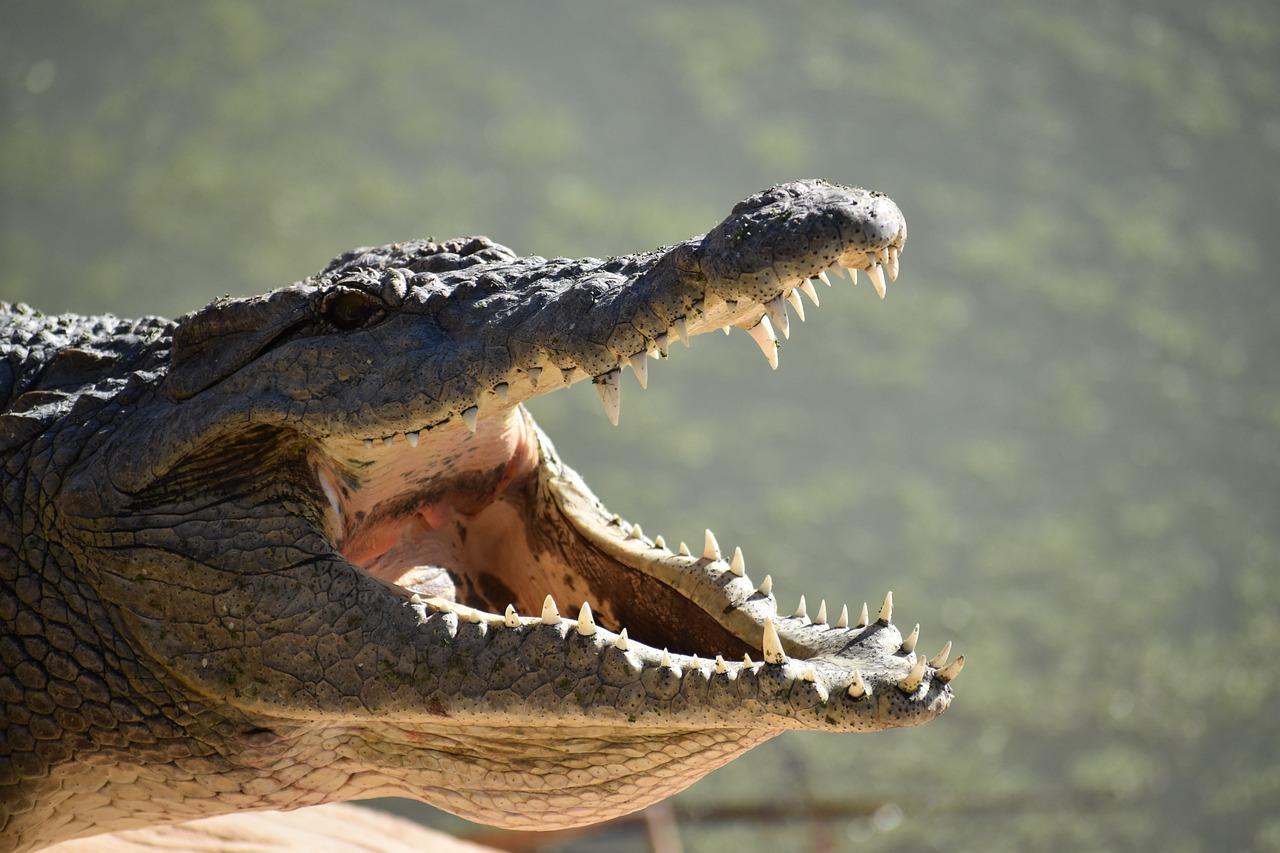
777	308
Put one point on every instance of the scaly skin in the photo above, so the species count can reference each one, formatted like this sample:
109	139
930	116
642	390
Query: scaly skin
261	557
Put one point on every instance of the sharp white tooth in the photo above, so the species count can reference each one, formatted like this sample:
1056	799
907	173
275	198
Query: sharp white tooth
821	618
387	439
801	611
681	329
876	274
586	624
951	670
535	373
772	644
412	438
695	662
853	275
807	288
909	644
793	299
640	367
621	643
636	532
939	660
684	550
892	266
725	329
503	390
747	661
659	542
843	621
550	613
566	375
368	442
417	599
665	663
862	617
711	548
824	278
886	609
766	585
809	675
738	565
720	665
469	418
882	255
777	308
912	681
660	342
610	391
857	687
510	618
762	334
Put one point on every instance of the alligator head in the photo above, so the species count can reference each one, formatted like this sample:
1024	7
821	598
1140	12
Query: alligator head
352	565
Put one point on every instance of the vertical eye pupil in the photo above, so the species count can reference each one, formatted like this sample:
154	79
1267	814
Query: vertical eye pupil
350	309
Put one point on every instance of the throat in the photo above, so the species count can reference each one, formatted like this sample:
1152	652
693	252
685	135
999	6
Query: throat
402	513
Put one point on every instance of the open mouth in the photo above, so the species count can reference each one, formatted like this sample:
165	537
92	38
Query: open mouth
476	519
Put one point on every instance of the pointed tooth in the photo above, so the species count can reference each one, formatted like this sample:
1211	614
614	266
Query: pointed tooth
766	585
503	390
550	613
939	660
909	644
469	416
857	687
661	342
772	644
636	532
566	375
681	329
725	329
621	643
659	542
472	615
777	308
417	599
801	610
886	609
876	274
843	621
821	618
665	662
824	278
912	681
711	549
368	442
387	439
793	299
853	275
412	438
809	675
510	618
747	661
882	255
862	617
610	391
720	665
640	367
586	623
951	670
892	266
762	334
534	373
807	288
684	550
739	564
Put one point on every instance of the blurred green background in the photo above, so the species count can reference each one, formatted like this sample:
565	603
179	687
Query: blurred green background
1058	440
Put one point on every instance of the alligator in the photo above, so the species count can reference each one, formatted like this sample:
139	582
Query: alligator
309	546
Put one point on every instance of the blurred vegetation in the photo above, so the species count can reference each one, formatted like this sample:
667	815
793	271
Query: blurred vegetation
1058	441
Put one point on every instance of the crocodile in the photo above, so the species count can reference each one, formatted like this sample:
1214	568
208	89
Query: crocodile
309	546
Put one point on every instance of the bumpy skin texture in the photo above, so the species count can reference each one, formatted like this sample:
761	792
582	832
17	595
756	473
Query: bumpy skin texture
187	627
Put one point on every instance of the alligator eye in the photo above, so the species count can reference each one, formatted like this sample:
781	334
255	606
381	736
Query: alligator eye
350	309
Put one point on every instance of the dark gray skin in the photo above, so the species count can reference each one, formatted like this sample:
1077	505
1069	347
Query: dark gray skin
258	557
